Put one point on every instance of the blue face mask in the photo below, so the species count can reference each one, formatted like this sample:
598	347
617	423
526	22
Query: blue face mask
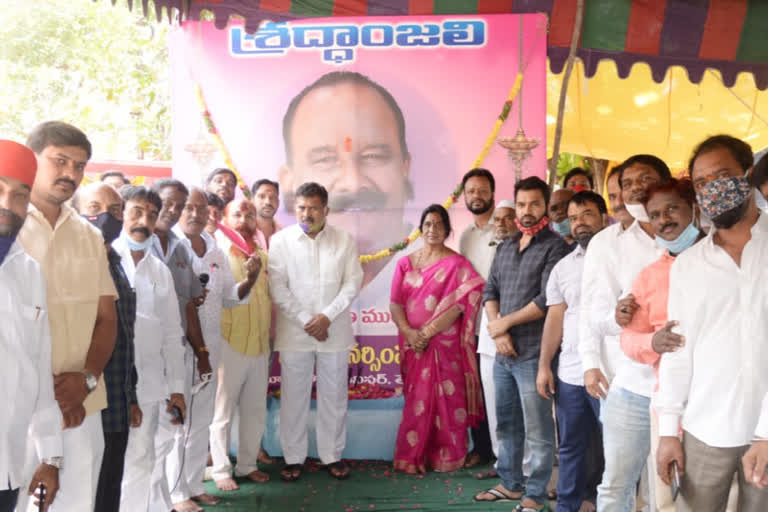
686	239
138	246
562	228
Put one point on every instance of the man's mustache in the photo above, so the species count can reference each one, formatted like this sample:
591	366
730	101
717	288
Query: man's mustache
364	199
668	225
141	229
65	180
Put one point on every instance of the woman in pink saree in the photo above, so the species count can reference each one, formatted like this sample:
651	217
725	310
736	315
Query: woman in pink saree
434	301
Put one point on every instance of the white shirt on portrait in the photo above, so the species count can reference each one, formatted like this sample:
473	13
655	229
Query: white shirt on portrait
311	276
715	385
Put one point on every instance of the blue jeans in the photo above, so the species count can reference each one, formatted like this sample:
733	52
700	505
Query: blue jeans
577	417
626	444
8	500
523	415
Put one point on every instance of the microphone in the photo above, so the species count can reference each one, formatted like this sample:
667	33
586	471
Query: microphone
204	278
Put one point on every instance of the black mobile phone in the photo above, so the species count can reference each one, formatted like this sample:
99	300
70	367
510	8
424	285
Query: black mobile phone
41	500
176	413
675	480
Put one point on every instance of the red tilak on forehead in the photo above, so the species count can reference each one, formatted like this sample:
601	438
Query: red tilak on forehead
348	144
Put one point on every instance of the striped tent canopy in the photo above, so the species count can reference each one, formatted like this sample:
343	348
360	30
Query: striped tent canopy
728	35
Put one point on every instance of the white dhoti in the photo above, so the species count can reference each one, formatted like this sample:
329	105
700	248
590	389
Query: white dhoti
242	382
295	394
83	448
186	463
145	486
489	394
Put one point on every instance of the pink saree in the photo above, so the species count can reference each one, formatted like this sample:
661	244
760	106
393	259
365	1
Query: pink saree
441	384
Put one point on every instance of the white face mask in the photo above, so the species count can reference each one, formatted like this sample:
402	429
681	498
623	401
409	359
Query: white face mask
637	211
760	200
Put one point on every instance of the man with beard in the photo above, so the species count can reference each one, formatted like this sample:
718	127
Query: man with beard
577	413
159	353
479	186
167	247
558	214
266	199
221	292
625	413
222	182
28	403
243	363
347	132
648	335
314	275
503	221
102	206
515	301
724	334
81	305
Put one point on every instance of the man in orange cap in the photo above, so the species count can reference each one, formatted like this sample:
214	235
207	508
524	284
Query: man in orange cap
81	303
26	382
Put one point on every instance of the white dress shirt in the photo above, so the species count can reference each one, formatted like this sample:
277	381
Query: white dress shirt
474	245
26	378
221	287
564	287
158	335
761	431
636	251
717	381
596	348
312	276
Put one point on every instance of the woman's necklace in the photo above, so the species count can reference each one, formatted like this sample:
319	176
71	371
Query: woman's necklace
423	258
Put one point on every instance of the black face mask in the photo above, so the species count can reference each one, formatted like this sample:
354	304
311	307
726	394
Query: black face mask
110	226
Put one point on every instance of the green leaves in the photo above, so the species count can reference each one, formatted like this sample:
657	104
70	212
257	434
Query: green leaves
90	64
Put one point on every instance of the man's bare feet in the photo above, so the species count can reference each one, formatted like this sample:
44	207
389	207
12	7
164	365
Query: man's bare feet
187	506
227	484
529	503
264	458
258	476
206	499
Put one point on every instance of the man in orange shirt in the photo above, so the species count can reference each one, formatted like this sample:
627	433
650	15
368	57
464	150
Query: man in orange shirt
647	334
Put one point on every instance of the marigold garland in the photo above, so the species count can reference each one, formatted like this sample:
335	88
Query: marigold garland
416	233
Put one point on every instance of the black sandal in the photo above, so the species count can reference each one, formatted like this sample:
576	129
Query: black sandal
339	470
498	496
291	472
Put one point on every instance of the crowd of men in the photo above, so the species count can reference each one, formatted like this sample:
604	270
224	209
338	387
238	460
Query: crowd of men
138	320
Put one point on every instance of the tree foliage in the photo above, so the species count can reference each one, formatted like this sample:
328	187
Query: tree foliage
100	67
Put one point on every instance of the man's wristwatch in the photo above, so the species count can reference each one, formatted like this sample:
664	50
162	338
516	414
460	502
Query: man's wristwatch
90	381
56	462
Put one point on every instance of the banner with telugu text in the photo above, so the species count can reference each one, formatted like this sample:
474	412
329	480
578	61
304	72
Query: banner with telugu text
386	142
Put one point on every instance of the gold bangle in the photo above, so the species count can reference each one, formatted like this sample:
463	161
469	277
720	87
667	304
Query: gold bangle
202	349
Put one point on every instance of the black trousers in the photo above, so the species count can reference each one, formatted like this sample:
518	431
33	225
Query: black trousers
8	500
111	473
481	435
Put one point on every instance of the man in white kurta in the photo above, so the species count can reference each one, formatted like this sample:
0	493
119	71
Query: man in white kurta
26	381
159	353
314	274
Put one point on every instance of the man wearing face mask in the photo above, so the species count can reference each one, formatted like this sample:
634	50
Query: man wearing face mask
26	384
577	413
712	387
625	413
648	335
314	275
159	354
102	206
558	214
479	186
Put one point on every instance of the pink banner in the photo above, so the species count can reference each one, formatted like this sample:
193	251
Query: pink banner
402	108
